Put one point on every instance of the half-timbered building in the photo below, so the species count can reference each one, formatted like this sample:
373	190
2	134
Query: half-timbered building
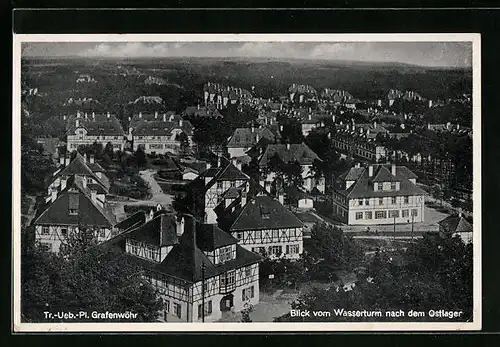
72	209
200	271
263	225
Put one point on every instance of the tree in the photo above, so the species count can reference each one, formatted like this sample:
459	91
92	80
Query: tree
140	157
184	142
86	278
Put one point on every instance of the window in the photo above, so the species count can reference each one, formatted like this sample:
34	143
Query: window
394	200
405	213
102	233
367	202
368	215
258	235
406	199
64	231
73	211
359	215
219	185
360	202
46	246
208	309
228	279
248	271
167	306
177	310
275	250
380	186
414	212
239	235
233	183
393	186
380	214
380	201
225	254
247	293
292	249
394	214
45	231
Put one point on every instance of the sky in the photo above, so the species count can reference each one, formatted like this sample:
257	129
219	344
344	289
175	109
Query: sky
431	54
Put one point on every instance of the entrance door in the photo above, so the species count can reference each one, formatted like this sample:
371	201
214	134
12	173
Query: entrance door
226	303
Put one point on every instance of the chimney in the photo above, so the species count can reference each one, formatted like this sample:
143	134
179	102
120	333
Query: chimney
140	114
370	171
281	127
77	123
309	116
208	166
85	158
84	182
243	198
393	169
333	118
288	146
93	195
257	138
180	225
64	117
67	160
91	159
180	123
53	195
61	161
164	117
108	115
64	180
281	197
374	125
218	161
459	214
77	114
198	106
156	114
93	115
253	128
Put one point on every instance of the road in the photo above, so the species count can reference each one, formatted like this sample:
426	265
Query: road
157	196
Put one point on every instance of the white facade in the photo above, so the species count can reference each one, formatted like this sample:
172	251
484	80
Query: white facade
51	237
275	243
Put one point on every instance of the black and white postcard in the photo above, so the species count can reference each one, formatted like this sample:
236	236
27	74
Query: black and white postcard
241	182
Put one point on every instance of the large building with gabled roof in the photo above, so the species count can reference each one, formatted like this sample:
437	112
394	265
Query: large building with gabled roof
262	225
87	128
290	153
199	270
378	194
74	206
245	138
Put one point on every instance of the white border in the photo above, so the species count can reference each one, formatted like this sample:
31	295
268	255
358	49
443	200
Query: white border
263	327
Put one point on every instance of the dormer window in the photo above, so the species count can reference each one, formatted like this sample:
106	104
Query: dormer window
393	186
380	186
265	213
225	254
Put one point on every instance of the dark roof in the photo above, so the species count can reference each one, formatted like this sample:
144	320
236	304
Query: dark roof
209	237
96	125
297	152
159	231
185	259
455	224
194	111
231	173
134	220
251	215
89	212
78	166
245	137
363	185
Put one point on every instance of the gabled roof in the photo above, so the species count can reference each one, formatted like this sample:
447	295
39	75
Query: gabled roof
209	237
250	216
363	185
159	231
455	224
296	152
132	221
78	166
245	137
89	212
231	173
96	124
194	111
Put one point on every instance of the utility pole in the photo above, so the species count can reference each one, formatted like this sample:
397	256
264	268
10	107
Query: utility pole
203	292
412	216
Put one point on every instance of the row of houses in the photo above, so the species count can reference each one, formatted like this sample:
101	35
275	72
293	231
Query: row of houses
153	132
222	95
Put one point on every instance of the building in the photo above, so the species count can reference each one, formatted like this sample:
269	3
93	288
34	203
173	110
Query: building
70	209
336	96
160	133
222	95
245	138
88	169
360	140
456	225
378	194
199	270
85	129
211	185
196	112
301	93
262	224
290	153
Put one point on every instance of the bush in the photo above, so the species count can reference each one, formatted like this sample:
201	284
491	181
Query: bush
135	187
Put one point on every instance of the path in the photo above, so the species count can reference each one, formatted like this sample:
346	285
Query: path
157	196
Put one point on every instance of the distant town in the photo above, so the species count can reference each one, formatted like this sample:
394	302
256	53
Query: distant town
185	196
